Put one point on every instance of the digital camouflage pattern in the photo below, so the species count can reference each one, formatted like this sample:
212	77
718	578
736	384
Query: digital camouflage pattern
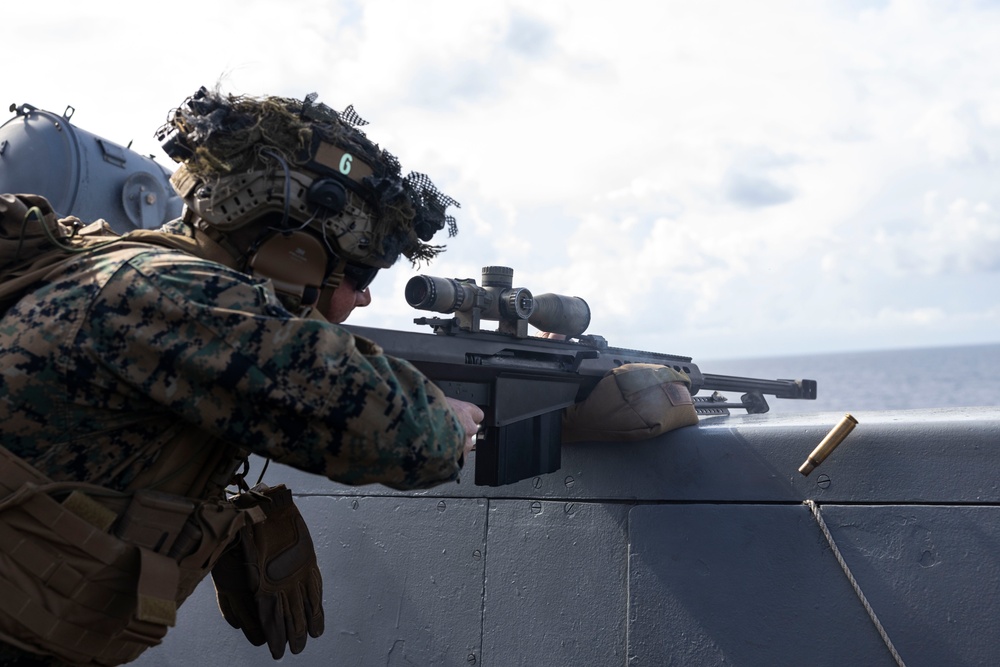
132	348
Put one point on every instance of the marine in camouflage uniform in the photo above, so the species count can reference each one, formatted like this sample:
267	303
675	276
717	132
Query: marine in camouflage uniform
158	361
129	349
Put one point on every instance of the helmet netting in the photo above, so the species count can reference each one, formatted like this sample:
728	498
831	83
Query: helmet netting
216	135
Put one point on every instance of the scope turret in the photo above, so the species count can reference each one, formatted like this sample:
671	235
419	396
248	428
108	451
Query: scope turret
497	299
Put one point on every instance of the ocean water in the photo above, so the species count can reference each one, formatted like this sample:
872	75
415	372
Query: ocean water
880	380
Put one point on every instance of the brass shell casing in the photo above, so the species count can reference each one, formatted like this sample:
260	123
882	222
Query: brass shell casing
829	443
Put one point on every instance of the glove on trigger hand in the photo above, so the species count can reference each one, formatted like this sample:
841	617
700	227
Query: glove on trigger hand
269	585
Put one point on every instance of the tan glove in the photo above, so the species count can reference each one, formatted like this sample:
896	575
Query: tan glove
267	583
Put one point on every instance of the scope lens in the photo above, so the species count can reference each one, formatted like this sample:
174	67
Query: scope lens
417	292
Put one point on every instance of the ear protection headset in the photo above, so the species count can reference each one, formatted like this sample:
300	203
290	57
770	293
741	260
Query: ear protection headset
297	262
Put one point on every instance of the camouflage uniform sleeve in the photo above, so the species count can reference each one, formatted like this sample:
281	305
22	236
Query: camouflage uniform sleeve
216	349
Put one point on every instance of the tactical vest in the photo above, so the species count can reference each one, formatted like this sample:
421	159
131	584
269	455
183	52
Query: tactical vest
91	575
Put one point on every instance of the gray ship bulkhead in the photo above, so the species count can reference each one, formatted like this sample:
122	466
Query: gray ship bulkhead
691	549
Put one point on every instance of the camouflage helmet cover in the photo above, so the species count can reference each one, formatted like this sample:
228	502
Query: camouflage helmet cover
243	158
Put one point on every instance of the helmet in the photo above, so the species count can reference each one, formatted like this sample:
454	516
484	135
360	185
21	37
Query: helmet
302	176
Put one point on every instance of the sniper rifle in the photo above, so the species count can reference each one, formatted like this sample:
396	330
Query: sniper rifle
523	382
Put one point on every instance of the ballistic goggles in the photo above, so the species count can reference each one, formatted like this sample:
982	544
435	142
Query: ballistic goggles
361	276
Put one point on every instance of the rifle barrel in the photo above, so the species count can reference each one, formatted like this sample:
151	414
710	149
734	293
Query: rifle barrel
800	389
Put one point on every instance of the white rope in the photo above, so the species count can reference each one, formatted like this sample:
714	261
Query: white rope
814	508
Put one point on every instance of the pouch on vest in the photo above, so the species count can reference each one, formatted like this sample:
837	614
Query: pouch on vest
28	226
70	588
632	402
33	242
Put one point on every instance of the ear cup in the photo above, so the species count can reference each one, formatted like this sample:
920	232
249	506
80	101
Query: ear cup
327	193
295	263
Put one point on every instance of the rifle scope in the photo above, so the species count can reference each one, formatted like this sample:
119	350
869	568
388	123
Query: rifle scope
498	300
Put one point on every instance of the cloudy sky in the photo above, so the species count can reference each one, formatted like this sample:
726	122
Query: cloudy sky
717	178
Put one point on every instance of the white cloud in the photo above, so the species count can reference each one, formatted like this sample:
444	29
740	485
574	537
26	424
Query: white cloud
710	176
